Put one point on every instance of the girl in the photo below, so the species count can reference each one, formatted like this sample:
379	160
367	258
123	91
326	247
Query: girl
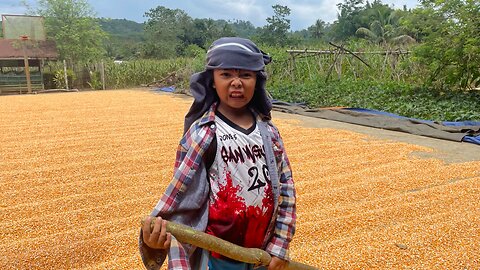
232	177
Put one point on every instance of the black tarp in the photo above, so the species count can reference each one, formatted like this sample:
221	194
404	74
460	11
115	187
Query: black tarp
468	133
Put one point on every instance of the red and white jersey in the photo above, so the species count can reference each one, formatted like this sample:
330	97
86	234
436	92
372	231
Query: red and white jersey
241	199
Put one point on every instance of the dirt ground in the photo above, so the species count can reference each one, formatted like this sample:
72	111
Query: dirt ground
79	170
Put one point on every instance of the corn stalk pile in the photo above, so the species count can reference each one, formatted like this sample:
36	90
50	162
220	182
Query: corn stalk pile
79	170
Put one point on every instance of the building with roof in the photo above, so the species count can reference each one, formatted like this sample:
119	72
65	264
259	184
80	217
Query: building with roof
23	54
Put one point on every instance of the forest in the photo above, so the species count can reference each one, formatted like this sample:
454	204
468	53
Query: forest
422	62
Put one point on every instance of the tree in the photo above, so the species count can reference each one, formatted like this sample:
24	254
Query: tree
384	28
317	30
170	32
348	20
276	31
451	53
243	29
72	25
420	23
165	32
204	31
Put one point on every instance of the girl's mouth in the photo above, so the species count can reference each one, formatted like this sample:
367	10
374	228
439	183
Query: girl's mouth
236	95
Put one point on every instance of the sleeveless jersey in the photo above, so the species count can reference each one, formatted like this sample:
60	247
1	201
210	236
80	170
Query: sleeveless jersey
241	198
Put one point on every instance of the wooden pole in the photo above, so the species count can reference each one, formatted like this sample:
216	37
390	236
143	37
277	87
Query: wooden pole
102	74
65	73
209	242
27	66
41	64
27	74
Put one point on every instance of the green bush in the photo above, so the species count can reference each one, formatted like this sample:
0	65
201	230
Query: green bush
59	78
399	98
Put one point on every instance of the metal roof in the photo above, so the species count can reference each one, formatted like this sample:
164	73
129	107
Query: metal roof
14	48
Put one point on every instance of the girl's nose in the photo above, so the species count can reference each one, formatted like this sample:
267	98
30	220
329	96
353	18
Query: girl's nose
236	82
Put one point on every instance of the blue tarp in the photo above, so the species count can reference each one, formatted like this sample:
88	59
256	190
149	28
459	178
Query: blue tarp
169	89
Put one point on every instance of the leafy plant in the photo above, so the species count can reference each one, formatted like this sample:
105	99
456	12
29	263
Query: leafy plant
95	80
59	78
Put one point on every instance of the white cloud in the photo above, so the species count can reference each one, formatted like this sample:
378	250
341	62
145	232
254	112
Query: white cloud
305	14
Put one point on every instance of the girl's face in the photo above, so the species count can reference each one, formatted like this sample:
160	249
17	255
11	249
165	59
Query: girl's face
234	87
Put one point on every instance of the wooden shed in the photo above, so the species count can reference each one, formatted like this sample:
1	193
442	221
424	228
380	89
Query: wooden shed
21	64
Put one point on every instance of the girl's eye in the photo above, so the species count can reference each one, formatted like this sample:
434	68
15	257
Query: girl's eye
225	74
246	75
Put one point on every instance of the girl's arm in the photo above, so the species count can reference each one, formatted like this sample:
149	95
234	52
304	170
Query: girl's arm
286	215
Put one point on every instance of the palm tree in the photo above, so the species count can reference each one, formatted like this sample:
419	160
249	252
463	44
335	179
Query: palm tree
317	30
385	29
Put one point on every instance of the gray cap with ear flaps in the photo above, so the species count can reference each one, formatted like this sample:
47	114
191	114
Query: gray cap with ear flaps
229	53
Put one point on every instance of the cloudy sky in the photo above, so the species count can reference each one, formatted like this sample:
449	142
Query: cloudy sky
303	12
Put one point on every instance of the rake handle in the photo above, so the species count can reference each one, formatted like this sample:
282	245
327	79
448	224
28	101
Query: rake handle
209	242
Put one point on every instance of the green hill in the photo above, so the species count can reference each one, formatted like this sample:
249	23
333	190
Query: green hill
126	37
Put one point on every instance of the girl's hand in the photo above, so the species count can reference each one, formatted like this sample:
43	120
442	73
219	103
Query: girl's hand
277	264
158	238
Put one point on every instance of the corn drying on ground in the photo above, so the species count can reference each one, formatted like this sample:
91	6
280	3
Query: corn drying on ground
79	170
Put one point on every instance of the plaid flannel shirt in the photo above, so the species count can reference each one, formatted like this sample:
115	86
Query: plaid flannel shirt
186	198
